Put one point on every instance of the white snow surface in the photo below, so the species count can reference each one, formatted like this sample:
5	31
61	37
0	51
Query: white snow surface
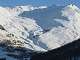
33	35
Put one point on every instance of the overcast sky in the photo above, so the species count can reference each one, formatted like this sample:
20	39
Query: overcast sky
38	2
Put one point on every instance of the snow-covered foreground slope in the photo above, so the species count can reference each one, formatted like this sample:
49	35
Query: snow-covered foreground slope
39	28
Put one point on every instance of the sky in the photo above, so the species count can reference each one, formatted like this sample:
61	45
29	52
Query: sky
13	3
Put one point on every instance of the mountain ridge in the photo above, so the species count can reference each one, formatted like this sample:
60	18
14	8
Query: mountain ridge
39	28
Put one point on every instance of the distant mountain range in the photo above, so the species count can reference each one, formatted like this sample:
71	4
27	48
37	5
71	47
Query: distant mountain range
38	28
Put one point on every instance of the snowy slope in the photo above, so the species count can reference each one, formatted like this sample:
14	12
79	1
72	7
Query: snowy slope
18	26
60	25
59	36
39	28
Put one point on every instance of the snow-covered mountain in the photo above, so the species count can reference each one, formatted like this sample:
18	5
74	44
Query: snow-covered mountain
39	28
61	24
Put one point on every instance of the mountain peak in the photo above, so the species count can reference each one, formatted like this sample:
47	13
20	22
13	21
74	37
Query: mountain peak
72	6
70	10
